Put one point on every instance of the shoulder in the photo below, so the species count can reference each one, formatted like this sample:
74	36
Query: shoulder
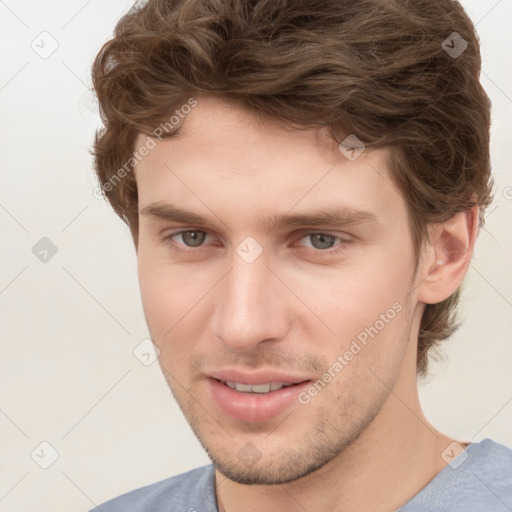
188	492
479	478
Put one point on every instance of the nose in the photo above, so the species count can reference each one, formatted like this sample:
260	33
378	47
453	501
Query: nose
250	308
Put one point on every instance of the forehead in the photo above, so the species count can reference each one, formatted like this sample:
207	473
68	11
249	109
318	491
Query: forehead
225	158
222	130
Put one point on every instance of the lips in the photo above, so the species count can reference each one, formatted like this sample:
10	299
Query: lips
249	397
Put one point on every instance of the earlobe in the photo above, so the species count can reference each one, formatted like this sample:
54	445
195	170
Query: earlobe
447	257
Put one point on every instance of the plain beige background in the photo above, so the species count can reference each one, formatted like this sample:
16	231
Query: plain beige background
69	326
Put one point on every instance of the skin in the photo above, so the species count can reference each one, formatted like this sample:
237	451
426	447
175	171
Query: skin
296	307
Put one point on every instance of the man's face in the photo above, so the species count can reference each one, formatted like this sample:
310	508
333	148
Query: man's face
241	298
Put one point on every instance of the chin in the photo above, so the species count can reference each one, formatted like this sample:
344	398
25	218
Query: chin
252	466
278	473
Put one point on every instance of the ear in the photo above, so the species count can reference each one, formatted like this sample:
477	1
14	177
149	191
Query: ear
446	257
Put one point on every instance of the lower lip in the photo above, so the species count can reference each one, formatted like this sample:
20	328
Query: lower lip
254	407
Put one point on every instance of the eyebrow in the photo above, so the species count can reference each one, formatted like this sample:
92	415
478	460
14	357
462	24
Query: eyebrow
338	215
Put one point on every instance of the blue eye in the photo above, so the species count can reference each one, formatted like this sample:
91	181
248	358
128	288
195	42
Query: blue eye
324	240
192	238
319	241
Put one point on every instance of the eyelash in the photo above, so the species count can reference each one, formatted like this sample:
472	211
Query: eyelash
171	236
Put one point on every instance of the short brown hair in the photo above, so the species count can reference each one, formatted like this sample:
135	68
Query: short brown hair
379	69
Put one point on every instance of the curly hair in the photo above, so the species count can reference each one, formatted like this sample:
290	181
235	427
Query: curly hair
398	74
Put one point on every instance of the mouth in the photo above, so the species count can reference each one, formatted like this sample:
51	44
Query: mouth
260	389
255	402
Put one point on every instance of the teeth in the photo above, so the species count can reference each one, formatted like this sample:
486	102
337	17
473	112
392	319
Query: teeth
260	388
257	388
243	387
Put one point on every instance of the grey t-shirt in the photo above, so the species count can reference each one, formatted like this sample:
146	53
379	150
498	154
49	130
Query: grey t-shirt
478	479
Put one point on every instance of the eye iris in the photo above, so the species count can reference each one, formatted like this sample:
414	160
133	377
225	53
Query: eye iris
195	237
325	240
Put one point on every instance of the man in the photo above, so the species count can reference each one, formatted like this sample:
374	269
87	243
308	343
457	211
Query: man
304	182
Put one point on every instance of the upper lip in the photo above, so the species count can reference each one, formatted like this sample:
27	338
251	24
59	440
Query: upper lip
257	377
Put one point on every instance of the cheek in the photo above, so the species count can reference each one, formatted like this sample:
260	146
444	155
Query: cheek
357	292
365	304
163	287
162	310
175	304
158	287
